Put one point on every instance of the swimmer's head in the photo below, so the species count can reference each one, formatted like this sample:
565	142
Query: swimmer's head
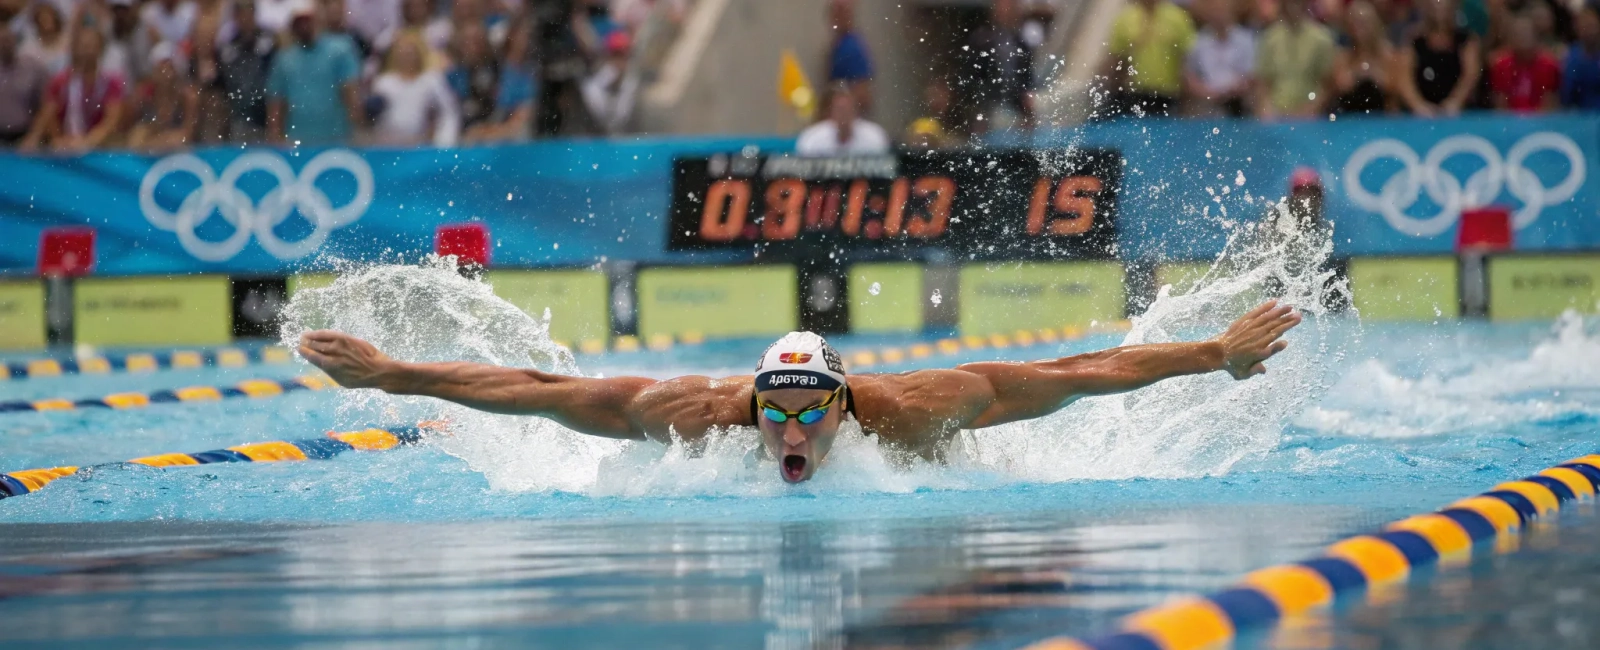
800	401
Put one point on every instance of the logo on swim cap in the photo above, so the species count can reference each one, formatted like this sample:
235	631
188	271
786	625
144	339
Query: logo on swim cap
799	360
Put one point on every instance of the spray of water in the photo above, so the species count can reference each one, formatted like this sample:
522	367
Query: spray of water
1185	427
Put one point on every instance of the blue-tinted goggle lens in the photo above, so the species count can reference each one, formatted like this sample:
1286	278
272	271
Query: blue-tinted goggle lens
811	415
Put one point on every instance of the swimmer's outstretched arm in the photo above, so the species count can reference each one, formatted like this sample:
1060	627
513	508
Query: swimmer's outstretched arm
597	407
1024	391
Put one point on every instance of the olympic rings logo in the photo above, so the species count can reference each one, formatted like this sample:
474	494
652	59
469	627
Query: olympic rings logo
248	216
1402	189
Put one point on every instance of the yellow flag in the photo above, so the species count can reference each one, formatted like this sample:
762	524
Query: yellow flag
793	87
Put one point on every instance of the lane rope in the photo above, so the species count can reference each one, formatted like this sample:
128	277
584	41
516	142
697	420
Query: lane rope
868	359
252	388
328	446
1493	520
146	362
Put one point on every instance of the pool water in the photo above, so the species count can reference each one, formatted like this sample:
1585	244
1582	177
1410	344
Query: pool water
509	532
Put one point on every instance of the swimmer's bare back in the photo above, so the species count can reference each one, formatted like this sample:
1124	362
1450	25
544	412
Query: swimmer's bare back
920	411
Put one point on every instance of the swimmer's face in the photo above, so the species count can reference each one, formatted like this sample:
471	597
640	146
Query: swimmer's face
799	448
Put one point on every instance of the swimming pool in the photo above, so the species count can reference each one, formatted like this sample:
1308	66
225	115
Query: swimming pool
506	532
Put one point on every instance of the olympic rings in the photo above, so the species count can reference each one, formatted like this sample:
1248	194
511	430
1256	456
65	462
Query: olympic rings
221	195
1402	189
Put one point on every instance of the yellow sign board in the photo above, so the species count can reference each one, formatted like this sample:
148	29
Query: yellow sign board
184	310
22	319
1542	286
305	281
886	297
577	300
718	301
1405	288
1004	298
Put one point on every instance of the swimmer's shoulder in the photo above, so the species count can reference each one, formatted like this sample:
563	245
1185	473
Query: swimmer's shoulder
916	404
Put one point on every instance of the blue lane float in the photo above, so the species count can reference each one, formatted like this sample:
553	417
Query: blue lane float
146	362
1493	520
251	388
332	444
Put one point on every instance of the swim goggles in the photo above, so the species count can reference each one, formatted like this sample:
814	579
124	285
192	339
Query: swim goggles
809	415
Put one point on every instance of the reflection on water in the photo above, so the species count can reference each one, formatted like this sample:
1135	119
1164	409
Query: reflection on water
945	582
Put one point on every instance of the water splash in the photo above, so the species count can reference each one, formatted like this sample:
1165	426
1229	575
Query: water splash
1186	427
1197	425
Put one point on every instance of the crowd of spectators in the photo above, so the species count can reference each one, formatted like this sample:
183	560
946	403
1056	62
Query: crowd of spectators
1282	59
160	75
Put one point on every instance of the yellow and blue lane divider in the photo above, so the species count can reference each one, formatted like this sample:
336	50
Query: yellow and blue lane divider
145	362
253	388
328	446
1492	520
867	359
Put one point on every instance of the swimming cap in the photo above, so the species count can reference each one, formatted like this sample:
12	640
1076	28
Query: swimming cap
799	360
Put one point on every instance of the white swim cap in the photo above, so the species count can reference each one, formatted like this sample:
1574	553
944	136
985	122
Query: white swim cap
800	360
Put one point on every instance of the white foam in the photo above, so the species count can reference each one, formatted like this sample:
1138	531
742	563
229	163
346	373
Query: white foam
1184	427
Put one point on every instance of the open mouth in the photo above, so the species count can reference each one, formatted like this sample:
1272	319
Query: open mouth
794	467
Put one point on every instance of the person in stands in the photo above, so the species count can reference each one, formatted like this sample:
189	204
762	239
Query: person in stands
842	132
417	106
1525	78
1580	79
1363	72
83	103
1221	64
1441	66
167	104
22	82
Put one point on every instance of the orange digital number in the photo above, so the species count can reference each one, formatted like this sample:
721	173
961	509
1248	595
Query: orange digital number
851	226
1074	197
785	200
717	224
939	192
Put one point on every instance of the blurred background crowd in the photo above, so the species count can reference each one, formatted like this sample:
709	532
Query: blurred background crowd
157	75
1274	59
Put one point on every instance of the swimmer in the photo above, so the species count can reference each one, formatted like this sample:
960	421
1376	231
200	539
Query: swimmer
799	393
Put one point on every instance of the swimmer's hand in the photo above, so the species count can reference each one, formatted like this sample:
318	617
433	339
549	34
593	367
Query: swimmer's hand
1254	338
352	362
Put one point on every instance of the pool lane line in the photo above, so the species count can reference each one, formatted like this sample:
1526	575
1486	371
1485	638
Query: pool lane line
1265	597
867	359
328	446
145	362
252	388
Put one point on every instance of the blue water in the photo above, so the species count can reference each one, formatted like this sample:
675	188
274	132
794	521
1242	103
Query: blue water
510	534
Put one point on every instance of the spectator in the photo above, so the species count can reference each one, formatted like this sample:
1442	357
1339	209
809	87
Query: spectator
561	34
167	105
999	84
1525	78
928	131
1150	41
1580	82
1544	26
417	107
1363	73
127	45
610	92
1440	68
1293	63
849	61
417	17
312	87
496	96
82	104
49	43
169	20
335	23
273	15
1399	18
22	81
1222	62
244	60
842	132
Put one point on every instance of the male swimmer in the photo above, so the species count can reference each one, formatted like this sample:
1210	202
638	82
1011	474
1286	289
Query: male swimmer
799	394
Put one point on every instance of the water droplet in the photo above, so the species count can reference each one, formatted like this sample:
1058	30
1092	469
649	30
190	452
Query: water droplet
1239	180
875	289
936	298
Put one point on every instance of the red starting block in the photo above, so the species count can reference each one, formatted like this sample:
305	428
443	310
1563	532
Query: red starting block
66	252
1484	229
469	242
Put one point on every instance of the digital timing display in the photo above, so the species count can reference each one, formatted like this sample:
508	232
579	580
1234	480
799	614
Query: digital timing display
1054	204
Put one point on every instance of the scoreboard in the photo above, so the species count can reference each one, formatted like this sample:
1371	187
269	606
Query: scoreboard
1037	204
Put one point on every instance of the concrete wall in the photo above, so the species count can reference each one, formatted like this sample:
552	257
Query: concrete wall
722	75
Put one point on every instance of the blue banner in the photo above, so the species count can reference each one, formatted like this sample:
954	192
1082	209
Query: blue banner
1394	186
269	211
